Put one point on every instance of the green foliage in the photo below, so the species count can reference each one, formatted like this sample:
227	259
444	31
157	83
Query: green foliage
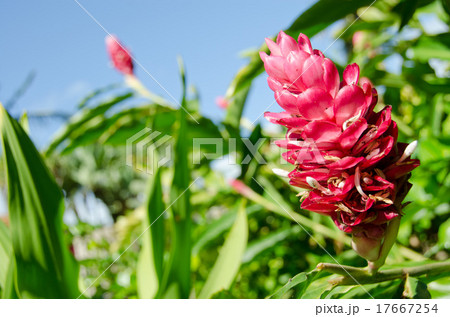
299	283
182	231
5	253
149	270
229	259
85	119
35	205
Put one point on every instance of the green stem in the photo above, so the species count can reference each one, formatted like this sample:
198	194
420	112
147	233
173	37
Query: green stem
341	269
136	84
355	276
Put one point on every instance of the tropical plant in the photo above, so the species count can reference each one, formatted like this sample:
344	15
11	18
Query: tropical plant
184	230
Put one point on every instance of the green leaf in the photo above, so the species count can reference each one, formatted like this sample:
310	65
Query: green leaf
150	262
193	105
80	121
440	288
24	122
319	16
446	6
249	160
438	114
213	231
7	264
96	93
5	253
218	227
444	234
9	289
267	242
120	126
296	280
432	47
297	285
406	9
415	288
384	290
180	257
223	294
235	109
229	260
44	266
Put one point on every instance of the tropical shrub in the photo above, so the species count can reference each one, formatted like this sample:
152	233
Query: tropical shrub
184	230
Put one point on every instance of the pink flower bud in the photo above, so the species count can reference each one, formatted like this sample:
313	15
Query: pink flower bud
222	102
241	188
367	248
119	55
357	38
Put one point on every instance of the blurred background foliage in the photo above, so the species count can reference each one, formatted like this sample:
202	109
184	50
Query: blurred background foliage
213	242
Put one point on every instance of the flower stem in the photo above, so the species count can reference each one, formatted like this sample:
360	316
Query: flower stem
355	276
136	84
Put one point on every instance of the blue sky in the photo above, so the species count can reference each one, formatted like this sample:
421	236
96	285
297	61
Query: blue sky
65	48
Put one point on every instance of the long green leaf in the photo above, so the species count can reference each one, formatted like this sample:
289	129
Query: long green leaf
218	227
7	263
229	260
432	47
271	240
77	124
234	111
44	265
178	277
150	262
296	286
9	289
96	93
5	253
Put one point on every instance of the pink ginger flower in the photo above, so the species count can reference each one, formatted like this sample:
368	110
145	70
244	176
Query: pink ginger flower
119	55
361	175
222	102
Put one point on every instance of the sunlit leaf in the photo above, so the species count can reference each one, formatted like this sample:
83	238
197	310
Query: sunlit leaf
432	47
229	260
415	288
44	266
218	227
267	242
179	272
5	253
149	269
75	124
296	286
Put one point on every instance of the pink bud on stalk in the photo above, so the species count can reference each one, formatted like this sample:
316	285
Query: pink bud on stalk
222	102
119	55
362	175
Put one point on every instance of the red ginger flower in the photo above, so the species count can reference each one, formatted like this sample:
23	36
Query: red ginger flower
119	55
345	154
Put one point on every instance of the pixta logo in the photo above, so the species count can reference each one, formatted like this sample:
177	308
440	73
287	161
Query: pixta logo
147	150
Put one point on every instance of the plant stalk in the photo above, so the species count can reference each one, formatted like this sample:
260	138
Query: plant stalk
355	276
